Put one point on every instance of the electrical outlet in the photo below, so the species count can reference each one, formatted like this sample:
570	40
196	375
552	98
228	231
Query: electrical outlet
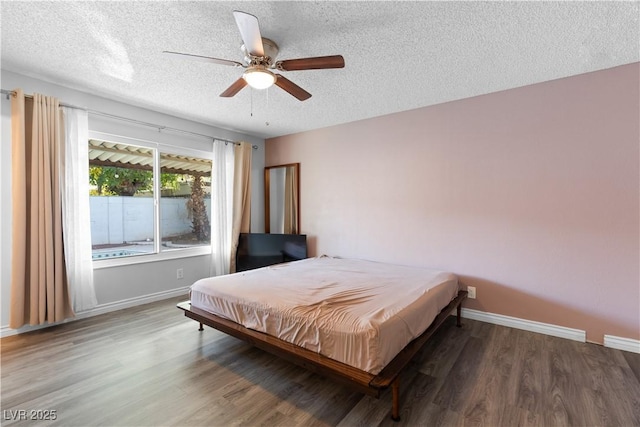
472	292
180	273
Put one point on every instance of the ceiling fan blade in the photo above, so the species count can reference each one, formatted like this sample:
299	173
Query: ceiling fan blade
292	88
250	32
205	58
317	63
234	88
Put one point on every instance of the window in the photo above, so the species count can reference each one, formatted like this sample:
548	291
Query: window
146	199
185	201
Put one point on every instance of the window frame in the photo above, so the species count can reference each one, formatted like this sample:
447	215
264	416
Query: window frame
158	254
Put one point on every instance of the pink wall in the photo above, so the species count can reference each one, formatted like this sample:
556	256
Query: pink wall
532	195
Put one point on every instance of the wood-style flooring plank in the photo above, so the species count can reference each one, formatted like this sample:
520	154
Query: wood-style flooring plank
488	398
524	387
456	390
369	411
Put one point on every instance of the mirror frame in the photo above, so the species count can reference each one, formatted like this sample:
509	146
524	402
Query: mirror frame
267	204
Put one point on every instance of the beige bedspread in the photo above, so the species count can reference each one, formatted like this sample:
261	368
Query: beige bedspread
358	312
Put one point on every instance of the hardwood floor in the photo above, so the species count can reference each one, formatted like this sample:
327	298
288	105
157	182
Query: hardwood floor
149	366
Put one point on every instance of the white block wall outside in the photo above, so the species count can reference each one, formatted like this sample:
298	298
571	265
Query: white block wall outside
128	219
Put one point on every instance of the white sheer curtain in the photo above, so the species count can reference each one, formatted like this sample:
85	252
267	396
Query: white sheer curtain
222	207
75	210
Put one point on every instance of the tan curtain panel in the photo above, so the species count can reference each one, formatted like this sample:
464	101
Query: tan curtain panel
39	291
241	197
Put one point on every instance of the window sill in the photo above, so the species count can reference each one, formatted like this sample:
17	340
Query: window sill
144	259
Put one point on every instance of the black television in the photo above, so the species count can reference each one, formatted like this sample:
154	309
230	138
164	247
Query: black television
257	250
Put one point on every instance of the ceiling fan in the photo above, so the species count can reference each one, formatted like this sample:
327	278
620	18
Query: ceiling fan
259	59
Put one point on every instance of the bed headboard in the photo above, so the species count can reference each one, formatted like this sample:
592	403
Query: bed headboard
257	250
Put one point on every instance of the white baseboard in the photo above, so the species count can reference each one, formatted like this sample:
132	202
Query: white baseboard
620	343
6	331
526	325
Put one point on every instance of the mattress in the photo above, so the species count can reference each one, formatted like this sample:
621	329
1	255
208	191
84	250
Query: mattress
361	313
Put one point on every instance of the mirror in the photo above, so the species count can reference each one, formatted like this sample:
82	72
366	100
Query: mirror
282	199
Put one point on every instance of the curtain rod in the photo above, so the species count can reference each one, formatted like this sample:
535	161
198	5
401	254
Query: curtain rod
126	119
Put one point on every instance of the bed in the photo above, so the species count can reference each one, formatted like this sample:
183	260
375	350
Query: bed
359	322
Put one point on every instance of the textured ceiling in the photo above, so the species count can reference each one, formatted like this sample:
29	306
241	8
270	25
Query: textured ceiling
399	55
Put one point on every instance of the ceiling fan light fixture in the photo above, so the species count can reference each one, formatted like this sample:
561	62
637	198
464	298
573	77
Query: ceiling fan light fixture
259	77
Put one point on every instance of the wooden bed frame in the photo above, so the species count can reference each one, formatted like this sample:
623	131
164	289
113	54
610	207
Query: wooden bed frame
359	380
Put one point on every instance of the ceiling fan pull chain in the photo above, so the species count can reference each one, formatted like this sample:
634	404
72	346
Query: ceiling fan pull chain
267	115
